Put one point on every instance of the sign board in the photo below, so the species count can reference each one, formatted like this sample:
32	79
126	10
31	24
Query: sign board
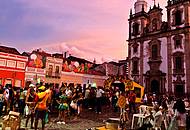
121	101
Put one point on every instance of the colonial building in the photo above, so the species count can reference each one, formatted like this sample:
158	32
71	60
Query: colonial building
54	65
113	68
80	71
36	66
12	67
159	51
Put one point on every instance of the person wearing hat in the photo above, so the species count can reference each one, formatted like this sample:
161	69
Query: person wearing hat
30	104
41	106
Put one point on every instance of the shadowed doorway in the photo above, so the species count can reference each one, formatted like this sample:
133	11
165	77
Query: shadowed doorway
155	86
179	90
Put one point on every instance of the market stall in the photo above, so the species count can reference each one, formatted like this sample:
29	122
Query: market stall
125	85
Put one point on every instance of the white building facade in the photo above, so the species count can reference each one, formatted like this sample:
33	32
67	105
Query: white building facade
53	70
159	51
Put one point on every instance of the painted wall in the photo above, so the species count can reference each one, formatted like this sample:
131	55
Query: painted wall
146	55
77	78
12	69
164	55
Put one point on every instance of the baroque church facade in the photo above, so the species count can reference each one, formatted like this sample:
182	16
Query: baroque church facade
159	51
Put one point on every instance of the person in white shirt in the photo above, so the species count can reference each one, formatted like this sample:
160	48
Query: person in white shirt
99	93
68	92
6	97
86	97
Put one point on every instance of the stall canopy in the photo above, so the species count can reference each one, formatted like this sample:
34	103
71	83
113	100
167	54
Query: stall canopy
126	85
137	88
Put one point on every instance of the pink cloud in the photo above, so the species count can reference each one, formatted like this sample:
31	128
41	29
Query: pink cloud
90	29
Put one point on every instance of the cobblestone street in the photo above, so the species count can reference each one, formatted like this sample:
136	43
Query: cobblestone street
88	119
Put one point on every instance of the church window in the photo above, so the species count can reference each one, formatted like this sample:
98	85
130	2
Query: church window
135	49
154	24
135	65
177	41
178	17
154	52
178	63
135	29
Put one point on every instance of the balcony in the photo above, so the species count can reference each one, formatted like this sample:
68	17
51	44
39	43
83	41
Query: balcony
35	70
50	74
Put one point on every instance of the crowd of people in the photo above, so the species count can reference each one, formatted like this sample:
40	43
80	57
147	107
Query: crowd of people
38	101
167	112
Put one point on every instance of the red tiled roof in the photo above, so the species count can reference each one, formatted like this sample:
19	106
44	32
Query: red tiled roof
80	60
57	55
42	53
9	50
26	54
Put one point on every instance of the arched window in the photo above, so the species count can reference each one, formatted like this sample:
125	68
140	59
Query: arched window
178	63
178	41
135	65
135	29
178	17
154	24
135	49
154	52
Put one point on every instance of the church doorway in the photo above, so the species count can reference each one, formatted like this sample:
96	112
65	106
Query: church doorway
179	90
155	86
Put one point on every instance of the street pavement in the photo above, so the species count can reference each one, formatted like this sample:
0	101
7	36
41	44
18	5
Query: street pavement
87	119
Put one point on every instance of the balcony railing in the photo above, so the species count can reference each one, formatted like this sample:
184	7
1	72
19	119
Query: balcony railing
50	74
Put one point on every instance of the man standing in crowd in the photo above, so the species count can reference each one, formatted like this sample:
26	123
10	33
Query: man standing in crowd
132	98
86	97
6	97
41	106
30	102
99	94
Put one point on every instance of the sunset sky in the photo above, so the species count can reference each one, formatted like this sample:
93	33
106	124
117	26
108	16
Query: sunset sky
85	28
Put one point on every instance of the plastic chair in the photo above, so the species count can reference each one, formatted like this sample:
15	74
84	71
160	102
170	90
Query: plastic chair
143	109
141	118
157	121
